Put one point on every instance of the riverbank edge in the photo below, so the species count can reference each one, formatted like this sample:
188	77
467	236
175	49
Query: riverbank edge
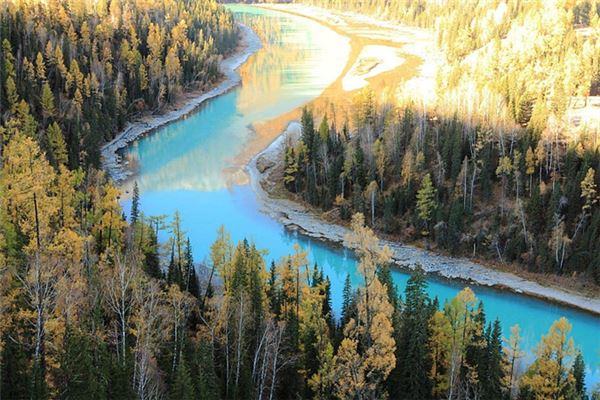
295	216
112	163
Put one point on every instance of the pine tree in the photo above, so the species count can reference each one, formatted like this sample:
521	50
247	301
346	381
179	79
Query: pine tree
135	204
273	294
308	131
47	102
83	367
578	372
413	359
491	382
426	202
205	377
347	302
189	269
58	148
151	256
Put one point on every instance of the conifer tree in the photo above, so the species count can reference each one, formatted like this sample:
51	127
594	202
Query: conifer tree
426	202
47	103
578	371
135	204
58	147
492	381
413	358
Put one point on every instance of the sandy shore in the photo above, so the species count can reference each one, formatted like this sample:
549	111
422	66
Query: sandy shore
111	160
265	172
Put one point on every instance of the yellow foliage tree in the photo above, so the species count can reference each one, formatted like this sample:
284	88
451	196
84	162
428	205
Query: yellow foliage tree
550	377
373	327
29	183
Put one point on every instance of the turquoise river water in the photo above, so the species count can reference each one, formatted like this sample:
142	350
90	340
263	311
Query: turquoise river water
181	167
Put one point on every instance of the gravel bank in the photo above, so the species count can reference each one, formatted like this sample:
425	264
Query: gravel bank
297	217
111	160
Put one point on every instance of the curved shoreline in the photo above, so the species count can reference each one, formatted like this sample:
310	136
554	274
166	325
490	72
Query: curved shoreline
295	216
112	162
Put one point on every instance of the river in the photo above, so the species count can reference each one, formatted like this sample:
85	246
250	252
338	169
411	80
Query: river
180	167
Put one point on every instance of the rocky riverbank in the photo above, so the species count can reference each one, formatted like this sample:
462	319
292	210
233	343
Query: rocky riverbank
265	172
111	160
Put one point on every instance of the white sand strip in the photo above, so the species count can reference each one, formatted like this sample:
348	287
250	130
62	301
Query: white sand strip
374	60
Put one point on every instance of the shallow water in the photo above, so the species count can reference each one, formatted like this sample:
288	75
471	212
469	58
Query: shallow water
180	167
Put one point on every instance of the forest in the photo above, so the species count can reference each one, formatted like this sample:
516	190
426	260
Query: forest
92	306
88	312
495	170
74	72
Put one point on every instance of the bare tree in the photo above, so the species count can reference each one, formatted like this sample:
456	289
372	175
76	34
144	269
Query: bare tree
117	286
149	327
269	360
40	285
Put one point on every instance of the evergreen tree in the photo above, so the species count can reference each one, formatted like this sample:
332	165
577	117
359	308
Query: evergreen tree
347	302
578	371
205	377
135	204
58	149
426	202
151	256
83	367
491	382
308	131
413	353
273	294
183	387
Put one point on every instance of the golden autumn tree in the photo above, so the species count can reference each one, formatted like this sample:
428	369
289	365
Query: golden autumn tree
461	314
550	376
110	229
374	359
28	180
438	348
58	148
220	256
40	203
350	373
315	343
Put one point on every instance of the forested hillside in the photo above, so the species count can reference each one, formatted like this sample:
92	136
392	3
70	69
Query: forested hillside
73	72
497	169
87	312
506	61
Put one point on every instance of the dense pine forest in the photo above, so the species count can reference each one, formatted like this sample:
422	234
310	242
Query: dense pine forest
497	169
92	306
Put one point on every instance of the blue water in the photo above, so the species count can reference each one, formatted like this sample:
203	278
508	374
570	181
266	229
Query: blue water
181	168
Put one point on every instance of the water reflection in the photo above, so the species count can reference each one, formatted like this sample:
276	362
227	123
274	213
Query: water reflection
294	66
